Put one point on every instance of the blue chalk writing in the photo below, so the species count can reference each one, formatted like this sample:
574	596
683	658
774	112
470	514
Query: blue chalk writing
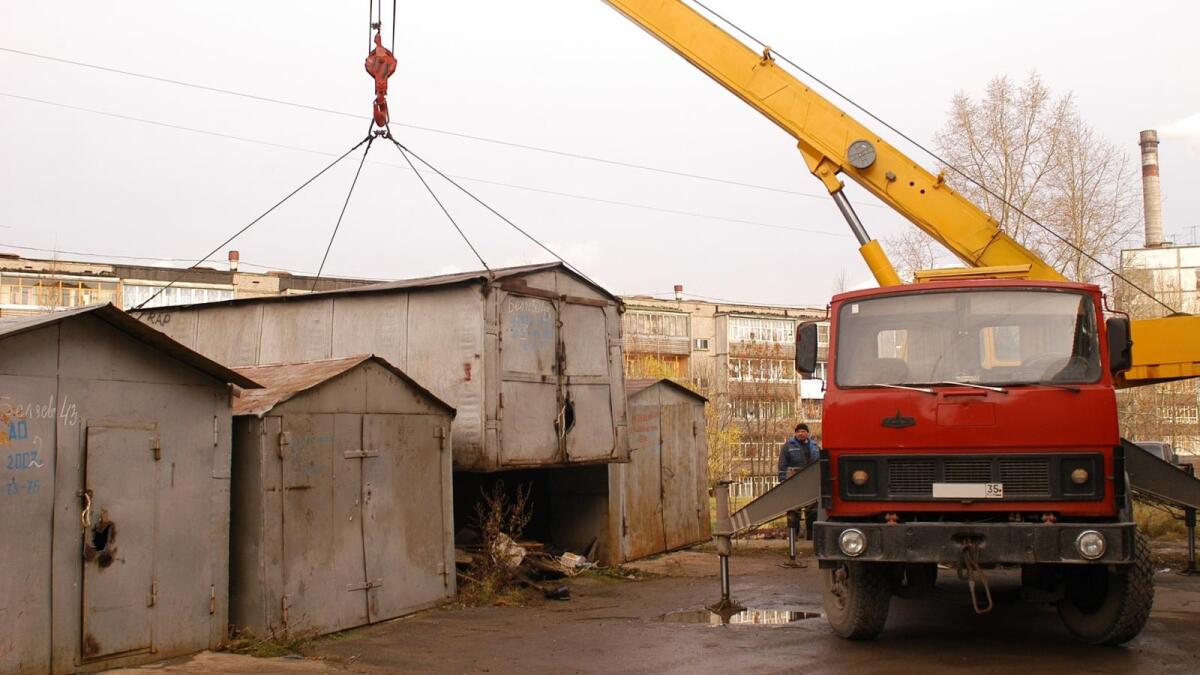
19	461
18	430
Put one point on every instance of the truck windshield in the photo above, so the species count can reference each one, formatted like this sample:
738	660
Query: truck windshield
998	337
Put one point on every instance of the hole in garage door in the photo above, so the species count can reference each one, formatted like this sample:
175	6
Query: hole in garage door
568	506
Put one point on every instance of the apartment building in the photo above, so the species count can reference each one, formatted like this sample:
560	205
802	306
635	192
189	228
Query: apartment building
35	286
740	356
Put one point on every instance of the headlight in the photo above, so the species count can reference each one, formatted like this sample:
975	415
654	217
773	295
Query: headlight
852	542
1079	476
1090	544
860	477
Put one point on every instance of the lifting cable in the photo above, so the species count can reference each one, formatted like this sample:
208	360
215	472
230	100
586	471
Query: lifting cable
935	156
440	204
380	64
357	173
252	223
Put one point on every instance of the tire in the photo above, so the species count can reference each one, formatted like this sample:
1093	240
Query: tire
1105	607
856	598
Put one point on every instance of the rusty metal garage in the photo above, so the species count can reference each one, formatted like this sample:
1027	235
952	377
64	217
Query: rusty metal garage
342	509
656	502
114	503
529	356
663	490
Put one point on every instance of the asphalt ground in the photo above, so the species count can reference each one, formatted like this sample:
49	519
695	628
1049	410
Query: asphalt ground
618	626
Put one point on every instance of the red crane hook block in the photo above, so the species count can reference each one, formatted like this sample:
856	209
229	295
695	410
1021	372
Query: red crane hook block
380	64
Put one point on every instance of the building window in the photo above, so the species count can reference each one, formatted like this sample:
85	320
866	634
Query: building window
762	370
775	331
700	344
819	372
822	335
757	409
893	344
655	324
1183	414
135	294
49	292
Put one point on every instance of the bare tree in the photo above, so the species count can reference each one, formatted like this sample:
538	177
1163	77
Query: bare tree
913	250
840	284
722	431
1033	149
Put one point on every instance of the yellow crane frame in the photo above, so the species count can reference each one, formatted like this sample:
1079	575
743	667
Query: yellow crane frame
834	144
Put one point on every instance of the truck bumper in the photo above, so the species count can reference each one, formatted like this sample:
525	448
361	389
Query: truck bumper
997	543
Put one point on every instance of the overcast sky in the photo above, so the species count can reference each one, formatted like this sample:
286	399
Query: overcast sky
566	75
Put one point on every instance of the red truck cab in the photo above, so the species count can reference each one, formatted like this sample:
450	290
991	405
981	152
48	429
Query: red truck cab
940	390
974	423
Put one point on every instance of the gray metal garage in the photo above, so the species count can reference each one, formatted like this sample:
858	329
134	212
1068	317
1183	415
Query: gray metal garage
114	493
342	510
664	488
656	502
530	356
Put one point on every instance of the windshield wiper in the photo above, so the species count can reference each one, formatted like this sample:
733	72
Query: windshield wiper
999	390
923	390
1074	390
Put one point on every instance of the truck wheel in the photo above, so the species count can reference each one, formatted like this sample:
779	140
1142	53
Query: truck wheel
1105	607
856	598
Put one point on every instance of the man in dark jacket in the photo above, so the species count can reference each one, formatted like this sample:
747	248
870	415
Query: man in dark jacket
799	451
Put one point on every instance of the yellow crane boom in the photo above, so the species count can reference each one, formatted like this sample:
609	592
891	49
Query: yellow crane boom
834	144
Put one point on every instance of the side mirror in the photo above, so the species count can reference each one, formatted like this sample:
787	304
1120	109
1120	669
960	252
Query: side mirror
1120	346
806	348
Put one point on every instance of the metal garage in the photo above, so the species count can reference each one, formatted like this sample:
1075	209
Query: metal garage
114	493
529	356
663	490
656	502
342	510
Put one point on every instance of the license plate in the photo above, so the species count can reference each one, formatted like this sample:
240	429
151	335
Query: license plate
968	491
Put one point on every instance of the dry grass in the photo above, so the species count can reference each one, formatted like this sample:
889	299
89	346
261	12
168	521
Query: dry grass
1158	523
491	579
271	646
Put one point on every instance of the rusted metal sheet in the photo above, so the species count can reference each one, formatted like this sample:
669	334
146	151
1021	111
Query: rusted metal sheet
143	424
280	382
664	488
530	357
642	520
363	455
680	510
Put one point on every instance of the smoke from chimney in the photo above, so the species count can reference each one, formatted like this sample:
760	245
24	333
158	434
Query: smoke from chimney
1151	190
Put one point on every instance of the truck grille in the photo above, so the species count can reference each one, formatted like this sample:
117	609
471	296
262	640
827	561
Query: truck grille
911	478
1024	477
967	471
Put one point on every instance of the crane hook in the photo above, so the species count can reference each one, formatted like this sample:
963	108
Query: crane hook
380	65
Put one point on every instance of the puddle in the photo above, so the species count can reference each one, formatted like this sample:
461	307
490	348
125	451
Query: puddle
744	617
